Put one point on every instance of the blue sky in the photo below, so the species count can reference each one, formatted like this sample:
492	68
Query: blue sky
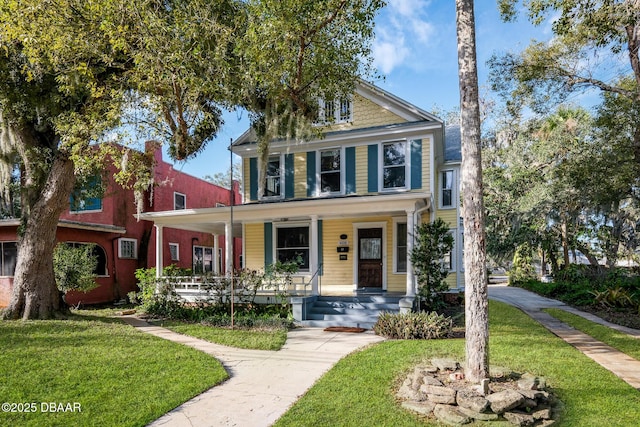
416	51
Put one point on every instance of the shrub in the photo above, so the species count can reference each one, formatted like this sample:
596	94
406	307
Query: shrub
522	269
74	267
432	242
406	326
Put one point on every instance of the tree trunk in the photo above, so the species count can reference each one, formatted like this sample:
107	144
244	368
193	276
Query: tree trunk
476	297
35	294
565	241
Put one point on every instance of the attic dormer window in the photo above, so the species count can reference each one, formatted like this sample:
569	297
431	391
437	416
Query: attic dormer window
337	111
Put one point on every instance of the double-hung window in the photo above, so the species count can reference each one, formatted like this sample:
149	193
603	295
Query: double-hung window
446	189
292	245
330	171
394	165
274	178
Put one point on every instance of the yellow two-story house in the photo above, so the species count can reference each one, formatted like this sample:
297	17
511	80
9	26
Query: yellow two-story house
344	206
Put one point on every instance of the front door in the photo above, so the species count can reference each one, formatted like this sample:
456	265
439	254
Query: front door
370	258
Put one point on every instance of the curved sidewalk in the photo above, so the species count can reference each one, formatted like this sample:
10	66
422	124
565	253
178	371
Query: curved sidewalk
625	367
262	384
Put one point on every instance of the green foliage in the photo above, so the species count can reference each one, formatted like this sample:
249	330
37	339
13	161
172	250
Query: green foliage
432	241
74	267
614	297
522	266
410	326
158	297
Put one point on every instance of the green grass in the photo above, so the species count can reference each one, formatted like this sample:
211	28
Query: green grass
118	375
616	339
271	339
359	389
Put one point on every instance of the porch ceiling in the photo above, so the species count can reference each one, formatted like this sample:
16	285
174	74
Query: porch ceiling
213	220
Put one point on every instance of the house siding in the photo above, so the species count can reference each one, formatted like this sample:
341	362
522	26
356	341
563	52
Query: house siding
336	272
300	172
254	246
361	169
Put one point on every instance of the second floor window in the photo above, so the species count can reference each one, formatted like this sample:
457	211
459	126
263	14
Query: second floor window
394	165
273	184
330	171
179	201
446	198
87	196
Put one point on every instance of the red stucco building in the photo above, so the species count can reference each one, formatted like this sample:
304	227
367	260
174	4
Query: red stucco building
124	244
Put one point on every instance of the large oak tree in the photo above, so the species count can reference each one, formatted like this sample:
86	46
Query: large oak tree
72	70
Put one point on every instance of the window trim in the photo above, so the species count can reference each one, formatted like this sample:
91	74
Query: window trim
177	246
294	224
337	108
280	196
2	243
135	248
454	193
396	222
341	152
184	196
407	166
80	194
193	258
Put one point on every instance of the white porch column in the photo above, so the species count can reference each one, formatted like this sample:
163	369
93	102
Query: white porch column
228	249
216	255
313	255
411	288
159	246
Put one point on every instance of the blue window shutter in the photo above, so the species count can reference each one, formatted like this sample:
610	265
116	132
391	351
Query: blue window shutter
320	247
416	164
311	173
372	168
268	244
289	176
350	169
253	178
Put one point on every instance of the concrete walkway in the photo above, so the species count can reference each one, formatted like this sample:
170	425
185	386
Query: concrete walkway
262	384
625	367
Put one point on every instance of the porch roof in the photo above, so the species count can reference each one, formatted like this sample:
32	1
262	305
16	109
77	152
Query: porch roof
213	220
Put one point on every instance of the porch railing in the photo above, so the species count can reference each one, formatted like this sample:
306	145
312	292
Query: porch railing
297	286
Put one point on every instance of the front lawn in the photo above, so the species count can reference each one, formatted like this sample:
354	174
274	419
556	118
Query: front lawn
255	339
359	389
115	375
616	339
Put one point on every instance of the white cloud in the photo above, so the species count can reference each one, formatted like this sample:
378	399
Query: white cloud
402	32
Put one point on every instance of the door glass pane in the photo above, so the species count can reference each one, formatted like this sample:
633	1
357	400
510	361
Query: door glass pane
370	248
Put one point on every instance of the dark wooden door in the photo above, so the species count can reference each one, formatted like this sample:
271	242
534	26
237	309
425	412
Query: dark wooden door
370	258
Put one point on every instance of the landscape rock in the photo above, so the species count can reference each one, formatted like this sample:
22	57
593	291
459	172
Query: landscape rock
439	394
472	401
445	364
424	408
480	416
499	402
450	415
505	400
519	418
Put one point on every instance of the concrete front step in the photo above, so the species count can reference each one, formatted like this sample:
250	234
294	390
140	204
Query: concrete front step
358	311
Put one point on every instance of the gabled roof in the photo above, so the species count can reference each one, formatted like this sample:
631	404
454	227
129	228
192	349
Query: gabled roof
381	97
